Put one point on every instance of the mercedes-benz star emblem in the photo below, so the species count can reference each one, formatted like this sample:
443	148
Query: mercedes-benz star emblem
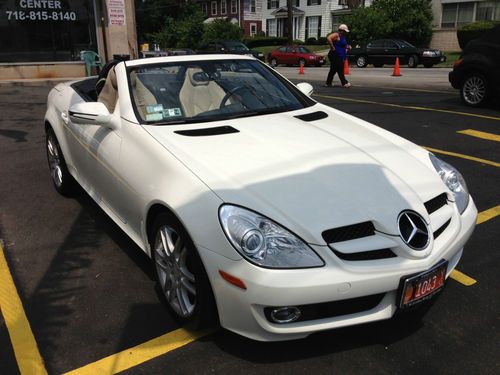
413	230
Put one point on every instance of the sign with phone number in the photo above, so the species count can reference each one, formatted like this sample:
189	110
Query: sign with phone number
40	10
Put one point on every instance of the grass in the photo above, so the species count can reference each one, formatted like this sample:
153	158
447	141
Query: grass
451	57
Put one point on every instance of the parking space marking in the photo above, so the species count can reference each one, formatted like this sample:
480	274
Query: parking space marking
23	341
409	107
488	214
141	353
462	278
482	135
473	158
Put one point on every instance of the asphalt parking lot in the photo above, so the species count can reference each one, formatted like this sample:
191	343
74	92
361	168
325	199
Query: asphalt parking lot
82	297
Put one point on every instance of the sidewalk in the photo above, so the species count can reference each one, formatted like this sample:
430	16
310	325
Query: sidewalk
36	81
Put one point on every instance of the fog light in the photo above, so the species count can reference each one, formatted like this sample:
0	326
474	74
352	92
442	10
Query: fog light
285	314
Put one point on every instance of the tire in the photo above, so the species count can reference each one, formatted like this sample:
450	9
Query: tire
361	61
302	62
378	65
274	63
64	183
474	90
412	61
182	280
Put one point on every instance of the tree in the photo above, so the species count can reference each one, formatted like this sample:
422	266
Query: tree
222	29
400	19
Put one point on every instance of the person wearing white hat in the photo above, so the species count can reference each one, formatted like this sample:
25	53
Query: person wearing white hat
337	55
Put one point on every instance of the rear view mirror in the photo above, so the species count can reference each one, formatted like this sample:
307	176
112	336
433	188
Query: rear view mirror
305	88
92	113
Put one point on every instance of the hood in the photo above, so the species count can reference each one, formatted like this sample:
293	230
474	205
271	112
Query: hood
307	176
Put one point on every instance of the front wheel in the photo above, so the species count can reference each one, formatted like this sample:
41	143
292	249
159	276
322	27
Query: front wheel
412	61
474	90
361	61
61	178
182	279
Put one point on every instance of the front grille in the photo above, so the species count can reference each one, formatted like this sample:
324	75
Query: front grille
333	309
349	232
436	203
438	232
366	255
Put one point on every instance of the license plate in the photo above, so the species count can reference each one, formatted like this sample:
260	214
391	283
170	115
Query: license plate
421	287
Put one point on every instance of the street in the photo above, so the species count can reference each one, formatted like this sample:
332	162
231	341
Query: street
88	293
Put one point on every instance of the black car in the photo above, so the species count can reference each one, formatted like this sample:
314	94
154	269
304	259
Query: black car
384	51
477	72
229	46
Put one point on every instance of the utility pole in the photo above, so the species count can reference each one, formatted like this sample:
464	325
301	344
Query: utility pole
290	22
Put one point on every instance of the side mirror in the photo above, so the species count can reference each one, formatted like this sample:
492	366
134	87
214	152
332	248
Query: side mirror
305	88
92	113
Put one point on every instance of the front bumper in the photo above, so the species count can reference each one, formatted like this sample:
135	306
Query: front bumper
243	311
433	59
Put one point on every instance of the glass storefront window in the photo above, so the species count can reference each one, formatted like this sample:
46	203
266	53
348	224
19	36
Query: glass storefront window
46	30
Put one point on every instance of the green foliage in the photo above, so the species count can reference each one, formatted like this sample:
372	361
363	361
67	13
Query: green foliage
151	16
222	29
474	30
185	31
258	41
399	19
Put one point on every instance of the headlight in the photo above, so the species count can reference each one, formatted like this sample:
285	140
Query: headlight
429	53
453	180
263	242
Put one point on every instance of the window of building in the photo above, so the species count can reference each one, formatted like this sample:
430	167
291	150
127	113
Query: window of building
488	11
313	2
253	29
69	29
223	7
297	3
204	8
214	8
252	6
234	7
273	4
336	21
313	27
343	2
271	27
457	14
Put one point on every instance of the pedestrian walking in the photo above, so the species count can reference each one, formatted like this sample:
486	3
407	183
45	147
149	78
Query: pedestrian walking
337	55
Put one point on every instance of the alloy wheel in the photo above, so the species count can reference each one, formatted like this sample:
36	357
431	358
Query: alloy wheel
54	161
474	90
176	280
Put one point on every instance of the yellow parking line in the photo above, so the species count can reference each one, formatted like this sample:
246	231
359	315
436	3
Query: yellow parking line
488	214
409	107
141	353
473	158
482	135
462	278
23	342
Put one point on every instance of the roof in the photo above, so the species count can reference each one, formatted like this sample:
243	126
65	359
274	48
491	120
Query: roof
169	59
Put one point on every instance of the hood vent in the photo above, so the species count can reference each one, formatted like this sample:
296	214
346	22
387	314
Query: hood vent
219	130
313	116
436	203
349	232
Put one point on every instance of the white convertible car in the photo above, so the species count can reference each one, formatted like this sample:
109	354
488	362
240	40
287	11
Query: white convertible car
260	208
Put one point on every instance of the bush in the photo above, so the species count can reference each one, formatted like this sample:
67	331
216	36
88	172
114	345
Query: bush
222	29
311	41
264	41
322	41
474	30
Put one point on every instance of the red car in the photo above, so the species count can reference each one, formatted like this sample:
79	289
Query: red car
294	55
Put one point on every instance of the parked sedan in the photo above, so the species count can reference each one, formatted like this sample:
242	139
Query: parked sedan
229	46
260	208
477	73
294	55
385	51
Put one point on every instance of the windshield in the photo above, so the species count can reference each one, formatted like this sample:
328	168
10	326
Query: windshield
236	47
181	92
304	50
405	44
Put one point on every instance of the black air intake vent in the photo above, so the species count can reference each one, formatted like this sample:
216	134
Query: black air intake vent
349	232
313	116
438	232
436	203
366	255
219	130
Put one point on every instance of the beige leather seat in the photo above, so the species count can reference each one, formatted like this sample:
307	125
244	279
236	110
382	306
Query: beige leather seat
142	96
198	96
109	93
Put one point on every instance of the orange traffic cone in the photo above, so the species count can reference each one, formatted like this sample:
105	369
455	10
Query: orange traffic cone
346	67
301	69
396	72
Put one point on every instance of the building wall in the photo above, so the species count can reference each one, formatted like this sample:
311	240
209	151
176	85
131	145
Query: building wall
445	40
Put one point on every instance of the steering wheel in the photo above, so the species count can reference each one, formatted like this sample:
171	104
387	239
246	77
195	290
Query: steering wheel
229	94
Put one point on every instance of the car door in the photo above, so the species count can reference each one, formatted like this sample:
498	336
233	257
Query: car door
280	55
391	52
375	52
